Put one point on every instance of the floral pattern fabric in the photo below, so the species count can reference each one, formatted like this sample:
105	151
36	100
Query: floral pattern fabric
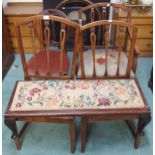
76	94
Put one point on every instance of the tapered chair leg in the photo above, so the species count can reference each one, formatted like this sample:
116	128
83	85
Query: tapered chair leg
72	135
84	123
11	124
142	122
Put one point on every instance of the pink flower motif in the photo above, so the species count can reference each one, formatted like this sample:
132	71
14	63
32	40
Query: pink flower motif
53	101
99	82
110	55
79	103
110	89
104	101
18	105
44	87
34	90
67	86
120	91
70	86
29	98
82	85
101	61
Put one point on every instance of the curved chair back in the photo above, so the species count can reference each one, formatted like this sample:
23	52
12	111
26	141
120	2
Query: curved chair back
106	61
46	61
104	11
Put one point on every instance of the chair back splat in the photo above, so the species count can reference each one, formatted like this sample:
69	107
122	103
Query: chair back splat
46	60
107	60
103	11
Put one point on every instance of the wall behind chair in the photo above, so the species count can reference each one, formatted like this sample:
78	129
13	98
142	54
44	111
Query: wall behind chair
5	1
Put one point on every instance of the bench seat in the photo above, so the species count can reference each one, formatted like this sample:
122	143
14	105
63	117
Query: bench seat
76	94
62	100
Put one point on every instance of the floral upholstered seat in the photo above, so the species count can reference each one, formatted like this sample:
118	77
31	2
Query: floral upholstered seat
100	61
76	94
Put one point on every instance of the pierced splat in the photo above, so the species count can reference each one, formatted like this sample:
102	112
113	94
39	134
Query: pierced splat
47	34
104	14
62	45
105	29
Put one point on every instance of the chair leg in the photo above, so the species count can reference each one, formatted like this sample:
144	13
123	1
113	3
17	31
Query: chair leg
11	124
142	122
84	123
72	135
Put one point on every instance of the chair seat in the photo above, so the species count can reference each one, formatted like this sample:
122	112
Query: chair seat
42	63
76	94
100	63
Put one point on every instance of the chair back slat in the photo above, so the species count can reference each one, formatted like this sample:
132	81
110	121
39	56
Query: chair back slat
48	61
92	15
121	38
105	11
33	40
62	45
47	34
107	61
20	46
93	45
132	48
81	56
106	50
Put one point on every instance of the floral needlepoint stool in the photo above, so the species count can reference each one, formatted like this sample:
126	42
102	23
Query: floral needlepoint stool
43	101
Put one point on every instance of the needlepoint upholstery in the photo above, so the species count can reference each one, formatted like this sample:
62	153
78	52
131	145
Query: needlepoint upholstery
76	94
100	60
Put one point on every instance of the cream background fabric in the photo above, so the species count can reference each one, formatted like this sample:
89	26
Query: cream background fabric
76	94
100	68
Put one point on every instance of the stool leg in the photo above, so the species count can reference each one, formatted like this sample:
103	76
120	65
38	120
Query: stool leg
142	122
11	124
84	123
72	135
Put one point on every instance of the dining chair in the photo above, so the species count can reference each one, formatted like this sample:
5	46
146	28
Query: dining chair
46	63
108	11
106	62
